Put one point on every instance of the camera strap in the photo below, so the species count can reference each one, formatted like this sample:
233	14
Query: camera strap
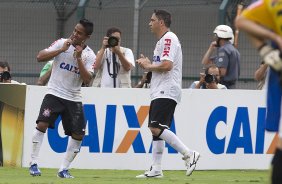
116	65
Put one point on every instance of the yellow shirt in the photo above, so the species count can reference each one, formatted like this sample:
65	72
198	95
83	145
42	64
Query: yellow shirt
267	13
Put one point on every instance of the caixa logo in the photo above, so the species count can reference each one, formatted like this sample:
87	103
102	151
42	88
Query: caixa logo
135	120
240	136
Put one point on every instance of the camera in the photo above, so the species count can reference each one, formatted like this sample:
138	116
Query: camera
209	78
112	41
4	76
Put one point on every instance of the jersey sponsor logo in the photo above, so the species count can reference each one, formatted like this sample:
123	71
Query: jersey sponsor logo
240	137
69	67
131	138
156	59
167	45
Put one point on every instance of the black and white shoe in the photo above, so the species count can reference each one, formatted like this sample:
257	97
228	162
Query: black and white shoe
191	162
152	173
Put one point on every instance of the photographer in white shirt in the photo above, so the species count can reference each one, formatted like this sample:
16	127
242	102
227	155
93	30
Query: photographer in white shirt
111	74
209	80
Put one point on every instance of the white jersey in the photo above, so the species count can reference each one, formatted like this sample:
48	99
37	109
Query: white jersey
65	81
167	84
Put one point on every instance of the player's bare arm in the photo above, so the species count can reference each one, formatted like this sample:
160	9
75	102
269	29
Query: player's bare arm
258	32
44	55
165	66
146	64
259	35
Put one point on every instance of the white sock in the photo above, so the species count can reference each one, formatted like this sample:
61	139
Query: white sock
37	139
157	152
72	150
169	137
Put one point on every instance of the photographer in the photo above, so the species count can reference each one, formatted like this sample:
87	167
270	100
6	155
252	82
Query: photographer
209	80
5	76
113	62
224	55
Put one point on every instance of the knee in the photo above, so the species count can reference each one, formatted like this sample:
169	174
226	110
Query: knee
155	131
42	126
77	137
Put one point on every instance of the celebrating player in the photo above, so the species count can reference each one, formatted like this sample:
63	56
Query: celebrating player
73	61
165	89
262	21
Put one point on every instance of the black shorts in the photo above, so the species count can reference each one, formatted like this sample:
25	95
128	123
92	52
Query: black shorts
161	113
71	112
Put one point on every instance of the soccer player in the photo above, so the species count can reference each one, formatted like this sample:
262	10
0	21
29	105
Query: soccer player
73	61
165	90
262	21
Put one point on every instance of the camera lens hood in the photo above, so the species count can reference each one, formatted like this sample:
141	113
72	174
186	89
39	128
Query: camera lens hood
113	41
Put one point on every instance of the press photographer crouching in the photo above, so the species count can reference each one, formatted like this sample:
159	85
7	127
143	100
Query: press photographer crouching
5	76
209	80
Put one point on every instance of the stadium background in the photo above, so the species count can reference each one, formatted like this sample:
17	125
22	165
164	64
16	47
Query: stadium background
28	26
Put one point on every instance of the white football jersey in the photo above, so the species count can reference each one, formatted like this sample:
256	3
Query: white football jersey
167	84
65	81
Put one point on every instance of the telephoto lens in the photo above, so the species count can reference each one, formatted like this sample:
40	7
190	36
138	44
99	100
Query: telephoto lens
112	41
5	76
209	78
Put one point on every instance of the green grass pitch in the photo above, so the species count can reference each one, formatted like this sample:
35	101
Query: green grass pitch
89	176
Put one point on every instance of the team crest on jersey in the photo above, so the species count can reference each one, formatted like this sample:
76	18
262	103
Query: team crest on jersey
46	113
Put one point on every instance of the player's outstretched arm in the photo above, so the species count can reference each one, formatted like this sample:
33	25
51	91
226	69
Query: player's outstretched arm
258	35
45	55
